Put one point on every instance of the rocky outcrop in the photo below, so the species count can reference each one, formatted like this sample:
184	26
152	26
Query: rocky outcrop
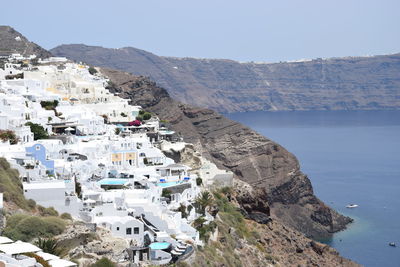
87	246
240	242
272	173
352	83
12	42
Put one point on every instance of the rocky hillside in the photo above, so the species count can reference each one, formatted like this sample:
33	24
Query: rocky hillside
12	41
277	184
351	83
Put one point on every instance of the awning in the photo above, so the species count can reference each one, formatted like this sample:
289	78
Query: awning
18	247
47	256
5	240
61	263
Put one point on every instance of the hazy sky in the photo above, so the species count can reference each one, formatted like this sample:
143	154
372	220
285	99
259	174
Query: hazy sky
259	30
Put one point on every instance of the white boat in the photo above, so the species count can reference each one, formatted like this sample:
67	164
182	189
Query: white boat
352	206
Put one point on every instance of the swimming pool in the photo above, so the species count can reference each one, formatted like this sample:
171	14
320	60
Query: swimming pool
113	181
159	245
168	184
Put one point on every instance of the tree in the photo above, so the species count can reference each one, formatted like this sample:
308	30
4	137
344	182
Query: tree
49	105
182	210
38	131
203	201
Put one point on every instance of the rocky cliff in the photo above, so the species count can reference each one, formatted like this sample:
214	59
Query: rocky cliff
277	184
12	42
351	83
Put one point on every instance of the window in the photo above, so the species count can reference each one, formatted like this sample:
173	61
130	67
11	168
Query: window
136	230
129	231
117	228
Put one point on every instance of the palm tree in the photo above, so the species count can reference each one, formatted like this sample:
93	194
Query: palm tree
203	201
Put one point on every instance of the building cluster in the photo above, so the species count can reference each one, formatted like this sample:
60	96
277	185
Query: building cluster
82	150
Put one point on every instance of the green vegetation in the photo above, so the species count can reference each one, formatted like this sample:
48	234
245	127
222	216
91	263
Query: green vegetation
232	226
8	135
199	181
38	131
47	211
117	131
49	245
202	202
11	186
103	262
143	115
49	105
26	227
92	70
147	116
123	114
78	189
66	216
182	210
166	193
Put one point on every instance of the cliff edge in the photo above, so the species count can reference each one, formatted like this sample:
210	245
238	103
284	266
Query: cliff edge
278	185
349	83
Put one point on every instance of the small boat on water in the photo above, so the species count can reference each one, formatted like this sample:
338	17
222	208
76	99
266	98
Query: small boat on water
352	206
392	244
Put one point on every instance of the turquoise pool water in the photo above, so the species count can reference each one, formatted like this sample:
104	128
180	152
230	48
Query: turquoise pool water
168	184
159	245
112	181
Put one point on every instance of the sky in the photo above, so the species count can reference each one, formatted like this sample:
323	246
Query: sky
251	30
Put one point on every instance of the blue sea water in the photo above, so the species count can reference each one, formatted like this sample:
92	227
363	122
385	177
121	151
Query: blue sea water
350	157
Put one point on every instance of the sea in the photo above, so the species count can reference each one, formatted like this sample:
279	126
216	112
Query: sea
351	157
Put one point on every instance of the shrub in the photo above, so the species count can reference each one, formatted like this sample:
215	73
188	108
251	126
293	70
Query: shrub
166	193
8	135
66	216
11	186
38	131
31	203
103	262
50	211
199	181
49	245
49	105
26	228
147	116
92	70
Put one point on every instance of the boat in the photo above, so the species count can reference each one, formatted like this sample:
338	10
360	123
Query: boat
392	244
352	206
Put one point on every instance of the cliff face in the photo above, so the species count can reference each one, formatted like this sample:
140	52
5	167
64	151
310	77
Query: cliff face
12	41
272	172
229	86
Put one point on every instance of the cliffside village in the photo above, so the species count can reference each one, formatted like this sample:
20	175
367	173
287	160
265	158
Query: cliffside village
83	150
